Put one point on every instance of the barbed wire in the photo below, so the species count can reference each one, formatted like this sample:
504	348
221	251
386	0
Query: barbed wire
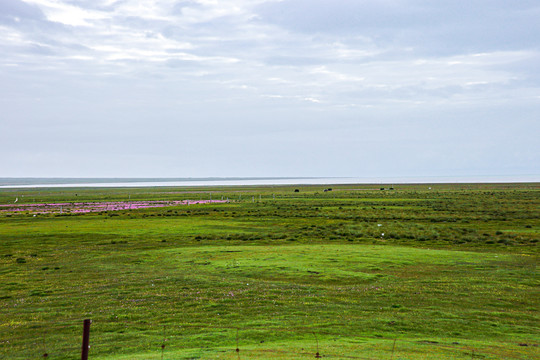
170	334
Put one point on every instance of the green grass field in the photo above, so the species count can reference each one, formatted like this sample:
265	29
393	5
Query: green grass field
278	273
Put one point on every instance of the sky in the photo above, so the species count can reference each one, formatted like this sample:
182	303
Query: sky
229	88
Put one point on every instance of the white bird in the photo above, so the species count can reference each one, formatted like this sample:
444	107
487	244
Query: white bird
16	199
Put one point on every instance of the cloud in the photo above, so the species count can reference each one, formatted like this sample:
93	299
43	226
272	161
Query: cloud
426	26
247	80
15	10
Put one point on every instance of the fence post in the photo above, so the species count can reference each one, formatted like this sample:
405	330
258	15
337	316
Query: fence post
163	344
317	355
86	339
393	348
45	354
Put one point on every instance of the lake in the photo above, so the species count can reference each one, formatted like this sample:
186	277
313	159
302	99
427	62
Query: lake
190	182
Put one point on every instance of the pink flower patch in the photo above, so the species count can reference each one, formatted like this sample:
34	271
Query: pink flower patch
87	207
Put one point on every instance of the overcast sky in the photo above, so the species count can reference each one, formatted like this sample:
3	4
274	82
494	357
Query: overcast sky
100	88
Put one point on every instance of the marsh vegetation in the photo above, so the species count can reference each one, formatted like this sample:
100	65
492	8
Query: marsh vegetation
444	269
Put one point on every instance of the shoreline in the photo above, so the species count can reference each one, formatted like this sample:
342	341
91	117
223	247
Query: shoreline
11	183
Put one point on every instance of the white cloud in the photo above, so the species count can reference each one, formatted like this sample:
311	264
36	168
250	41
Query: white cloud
238	68
59	11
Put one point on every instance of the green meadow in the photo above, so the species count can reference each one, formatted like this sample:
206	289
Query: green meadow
442	271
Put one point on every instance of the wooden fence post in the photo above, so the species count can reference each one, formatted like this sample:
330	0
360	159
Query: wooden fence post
86	339
317	355
393	348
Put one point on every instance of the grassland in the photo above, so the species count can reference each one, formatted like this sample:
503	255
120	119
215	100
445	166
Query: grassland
275	272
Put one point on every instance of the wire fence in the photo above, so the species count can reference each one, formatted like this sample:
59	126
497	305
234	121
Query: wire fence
125	340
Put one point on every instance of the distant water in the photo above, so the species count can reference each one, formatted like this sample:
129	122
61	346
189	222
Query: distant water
169	182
